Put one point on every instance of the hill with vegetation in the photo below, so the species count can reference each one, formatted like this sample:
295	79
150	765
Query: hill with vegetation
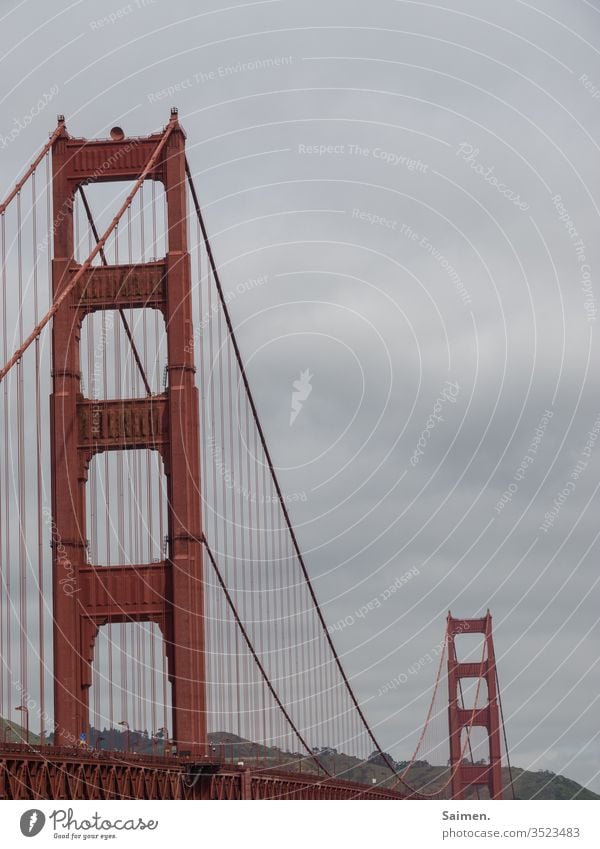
12	732
425	777
422	776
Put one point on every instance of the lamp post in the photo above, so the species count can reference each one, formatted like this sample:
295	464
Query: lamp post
24	709
165	732
125	725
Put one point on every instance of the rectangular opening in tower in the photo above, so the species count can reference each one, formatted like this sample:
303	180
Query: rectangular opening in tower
126	507
130	696
475	745
473	692
123	355
141	235
469	647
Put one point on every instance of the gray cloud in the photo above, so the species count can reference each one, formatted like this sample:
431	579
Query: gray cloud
380	311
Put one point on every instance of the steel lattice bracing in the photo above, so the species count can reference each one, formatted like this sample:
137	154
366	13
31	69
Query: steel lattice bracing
55	773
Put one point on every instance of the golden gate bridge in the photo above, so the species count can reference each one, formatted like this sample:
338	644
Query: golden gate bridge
174	595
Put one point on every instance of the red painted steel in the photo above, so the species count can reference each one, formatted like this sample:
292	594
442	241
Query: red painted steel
467	776
169	593
63	773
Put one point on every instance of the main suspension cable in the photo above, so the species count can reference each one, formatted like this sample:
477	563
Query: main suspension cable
99	246
257	660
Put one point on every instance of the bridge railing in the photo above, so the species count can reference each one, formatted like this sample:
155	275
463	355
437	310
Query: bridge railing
253	757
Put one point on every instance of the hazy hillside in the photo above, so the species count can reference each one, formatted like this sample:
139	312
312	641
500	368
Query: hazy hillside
12	732
423	776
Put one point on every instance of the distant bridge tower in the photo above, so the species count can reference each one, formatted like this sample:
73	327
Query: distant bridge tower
169	593
466	776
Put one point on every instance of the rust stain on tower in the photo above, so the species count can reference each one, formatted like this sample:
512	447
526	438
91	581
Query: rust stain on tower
169	593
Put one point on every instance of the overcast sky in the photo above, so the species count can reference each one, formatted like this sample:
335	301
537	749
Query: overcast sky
418	184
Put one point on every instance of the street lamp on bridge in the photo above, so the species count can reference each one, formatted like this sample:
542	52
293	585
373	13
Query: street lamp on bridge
125	725
168	744
24	709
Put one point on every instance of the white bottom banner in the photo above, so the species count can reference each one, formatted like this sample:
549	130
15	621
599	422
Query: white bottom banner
298	824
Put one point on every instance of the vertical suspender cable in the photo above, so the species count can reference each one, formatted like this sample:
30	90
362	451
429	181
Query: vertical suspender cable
5	617
38	463
21	471
510	772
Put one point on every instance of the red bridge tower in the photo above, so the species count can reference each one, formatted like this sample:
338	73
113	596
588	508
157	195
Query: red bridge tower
467	776
169	593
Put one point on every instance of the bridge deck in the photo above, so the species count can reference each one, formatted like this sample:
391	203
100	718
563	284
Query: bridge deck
48	772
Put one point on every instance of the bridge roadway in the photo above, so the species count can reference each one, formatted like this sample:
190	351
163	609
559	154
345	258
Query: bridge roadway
52	772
